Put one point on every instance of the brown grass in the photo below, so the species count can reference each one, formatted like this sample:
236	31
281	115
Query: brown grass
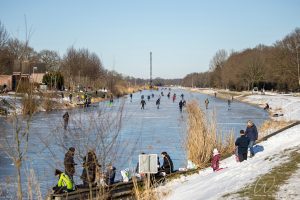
144	190
48	103
270	126
149	189
203	137
29	105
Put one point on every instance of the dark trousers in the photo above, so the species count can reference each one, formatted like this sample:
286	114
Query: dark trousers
242	156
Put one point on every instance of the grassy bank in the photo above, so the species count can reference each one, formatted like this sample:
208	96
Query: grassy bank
267	186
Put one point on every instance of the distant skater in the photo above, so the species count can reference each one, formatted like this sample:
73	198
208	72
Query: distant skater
66	120
111	100
143	103
174	97
229	104
131	97
180	105
206	103
158	103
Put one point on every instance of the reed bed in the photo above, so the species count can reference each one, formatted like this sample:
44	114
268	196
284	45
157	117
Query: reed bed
203	136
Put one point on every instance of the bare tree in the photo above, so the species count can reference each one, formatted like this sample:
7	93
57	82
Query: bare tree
51	59
216	66
3	37
254	70
82	67
18	147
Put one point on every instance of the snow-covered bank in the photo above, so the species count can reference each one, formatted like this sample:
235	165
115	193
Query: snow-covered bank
13	104
213	185
287	105
210	185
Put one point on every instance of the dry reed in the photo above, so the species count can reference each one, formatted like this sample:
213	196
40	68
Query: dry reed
48	103
144	190
270	126
203	137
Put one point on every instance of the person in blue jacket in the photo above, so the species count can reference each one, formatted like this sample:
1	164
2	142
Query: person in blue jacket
252	134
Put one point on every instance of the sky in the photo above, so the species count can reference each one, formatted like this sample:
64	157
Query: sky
183	36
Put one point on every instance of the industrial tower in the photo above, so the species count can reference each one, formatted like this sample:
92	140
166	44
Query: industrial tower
151	84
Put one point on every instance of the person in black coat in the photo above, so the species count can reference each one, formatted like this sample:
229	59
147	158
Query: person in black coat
143	102
167	166
242	144
180	105
158	103
252	134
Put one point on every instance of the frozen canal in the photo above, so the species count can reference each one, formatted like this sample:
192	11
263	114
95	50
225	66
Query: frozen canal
151	131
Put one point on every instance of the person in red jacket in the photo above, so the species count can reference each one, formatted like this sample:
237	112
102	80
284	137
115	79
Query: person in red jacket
216	160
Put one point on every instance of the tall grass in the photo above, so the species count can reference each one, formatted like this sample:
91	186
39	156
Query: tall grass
48	103
146	189
270	126
203	137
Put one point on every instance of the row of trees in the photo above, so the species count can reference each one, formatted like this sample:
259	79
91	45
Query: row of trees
77	66
269	67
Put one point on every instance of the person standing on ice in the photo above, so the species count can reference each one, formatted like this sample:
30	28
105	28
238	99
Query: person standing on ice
252	134
180	105
206	103
66	120
143	102
242	144
174	97
215	160
229	104
158	103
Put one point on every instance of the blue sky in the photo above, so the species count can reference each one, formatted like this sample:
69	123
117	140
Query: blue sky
182	35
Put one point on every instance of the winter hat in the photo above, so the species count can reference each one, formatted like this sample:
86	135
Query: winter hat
57	172
72	149
215	152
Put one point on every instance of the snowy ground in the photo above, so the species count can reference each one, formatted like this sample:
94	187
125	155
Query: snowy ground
287	105
213	185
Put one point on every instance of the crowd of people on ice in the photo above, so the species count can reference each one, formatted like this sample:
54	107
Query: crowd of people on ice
181	103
